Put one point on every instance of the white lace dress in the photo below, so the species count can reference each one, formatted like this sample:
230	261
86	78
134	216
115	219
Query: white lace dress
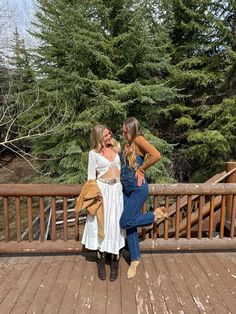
112	195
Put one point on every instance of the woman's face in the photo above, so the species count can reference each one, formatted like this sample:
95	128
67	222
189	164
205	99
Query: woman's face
106	138
124	132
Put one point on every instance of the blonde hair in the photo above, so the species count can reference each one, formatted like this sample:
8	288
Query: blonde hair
133	129
96	138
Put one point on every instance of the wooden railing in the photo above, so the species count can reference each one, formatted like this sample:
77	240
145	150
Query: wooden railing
189	212
196	211
191	204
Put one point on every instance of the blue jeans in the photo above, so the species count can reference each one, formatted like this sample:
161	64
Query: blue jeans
132	217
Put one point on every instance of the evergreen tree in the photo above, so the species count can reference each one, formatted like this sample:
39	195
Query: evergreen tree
3	80
225	26
199	66
19	105
22	75
214	142
99	61
21	85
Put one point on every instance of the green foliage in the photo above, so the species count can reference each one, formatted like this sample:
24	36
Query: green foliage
161	172
171	64
16	96
216	144
202	68
209	148
21	72
185	121
102	61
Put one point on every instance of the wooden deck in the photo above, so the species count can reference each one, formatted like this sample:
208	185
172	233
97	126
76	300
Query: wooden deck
175	282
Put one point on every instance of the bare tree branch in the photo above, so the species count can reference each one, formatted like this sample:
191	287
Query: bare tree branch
14	132
22	156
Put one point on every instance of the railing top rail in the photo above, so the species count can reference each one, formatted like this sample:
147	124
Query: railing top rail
193	189
154	189
226	175
40	189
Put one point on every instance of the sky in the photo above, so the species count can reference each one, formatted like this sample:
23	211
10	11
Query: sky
22	12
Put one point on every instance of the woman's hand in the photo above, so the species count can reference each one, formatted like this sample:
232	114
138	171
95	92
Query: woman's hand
140	178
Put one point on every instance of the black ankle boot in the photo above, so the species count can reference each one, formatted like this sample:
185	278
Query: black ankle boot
114	267
101	265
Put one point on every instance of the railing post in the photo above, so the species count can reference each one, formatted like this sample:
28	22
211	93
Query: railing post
229	198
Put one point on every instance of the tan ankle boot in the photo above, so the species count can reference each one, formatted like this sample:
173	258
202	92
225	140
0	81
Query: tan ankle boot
132	269
160	212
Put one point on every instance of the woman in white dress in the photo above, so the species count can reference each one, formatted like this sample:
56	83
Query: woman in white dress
104	166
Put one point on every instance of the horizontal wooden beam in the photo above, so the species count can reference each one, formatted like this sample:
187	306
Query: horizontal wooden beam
40	189
159	245
204	244
154	189
35	247
193	189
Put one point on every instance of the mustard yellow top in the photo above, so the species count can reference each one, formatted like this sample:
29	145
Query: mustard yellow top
143	148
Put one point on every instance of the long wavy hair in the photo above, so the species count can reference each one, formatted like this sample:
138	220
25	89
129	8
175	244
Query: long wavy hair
133	129
96	136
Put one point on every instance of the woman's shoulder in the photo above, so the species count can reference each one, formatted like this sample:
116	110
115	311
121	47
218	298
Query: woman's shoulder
92	152
139	136
139	139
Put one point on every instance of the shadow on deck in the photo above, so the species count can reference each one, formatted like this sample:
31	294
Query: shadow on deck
170	282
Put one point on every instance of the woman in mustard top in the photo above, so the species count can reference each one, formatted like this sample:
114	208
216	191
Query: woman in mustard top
137	156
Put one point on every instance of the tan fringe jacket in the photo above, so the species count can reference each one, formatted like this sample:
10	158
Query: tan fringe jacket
90	199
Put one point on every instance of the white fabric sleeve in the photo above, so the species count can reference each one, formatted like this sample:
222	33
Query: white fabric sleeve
91	166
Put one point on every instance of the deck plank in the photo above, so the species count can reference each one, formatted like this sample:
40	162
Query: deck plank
154	285
229	280
25	299
168	289
174	282
85	296
213	297
200	298
60	285
217	281
70	297
184	295
229	262
114	292
142	296
99	297
128	300
3	261
13	269
41	297
6	264
20	283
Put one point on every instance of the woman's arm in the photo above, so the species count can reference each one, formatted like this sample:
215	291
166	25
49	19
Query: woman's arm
146	148
91	166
